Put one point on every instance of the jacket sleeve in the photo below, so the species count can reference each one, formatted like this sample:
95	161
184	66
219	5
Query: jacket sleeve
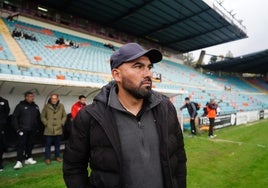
178	154
74	111
184	106
64	116
39	122
76	155
7	108
15	118
44	116
194	111
172	152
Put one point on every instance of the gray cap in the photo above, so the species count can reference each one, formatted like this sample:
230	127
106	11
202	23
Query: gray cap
131	51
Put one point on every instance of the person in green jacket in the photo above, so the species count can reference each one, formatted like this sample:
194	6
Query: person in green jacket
53	117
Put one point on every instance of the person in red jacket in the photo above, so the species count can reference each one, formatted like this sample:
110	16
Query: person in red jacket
78	105
211	114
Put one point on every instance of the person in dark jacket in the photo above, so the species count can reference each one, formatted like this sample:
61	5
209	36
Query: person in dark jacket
26	121
130	135
192	113
4	112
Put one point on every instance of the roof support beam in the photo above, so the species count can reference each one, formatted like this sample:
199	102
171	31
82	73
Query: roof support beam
166	26
129	12
192	36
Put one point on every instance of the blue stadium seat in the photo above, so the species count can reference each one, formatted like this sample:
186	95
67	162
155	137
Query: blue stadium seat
92	57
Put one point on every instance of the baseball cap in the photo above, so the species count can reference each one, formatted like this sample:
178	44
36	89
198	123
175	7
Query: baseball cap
131	51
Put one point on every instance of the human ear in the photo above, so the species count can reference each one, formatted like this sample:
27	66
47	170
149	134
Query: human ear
116	74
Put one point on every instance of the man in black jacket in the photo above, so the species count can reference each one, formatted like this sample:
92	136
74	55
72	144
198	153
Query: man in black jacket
130	135
192	113
4	112
25	120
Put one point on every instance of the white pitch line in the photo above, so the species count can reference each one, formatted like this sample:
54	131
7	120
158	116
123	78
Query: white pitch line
231	141
260	145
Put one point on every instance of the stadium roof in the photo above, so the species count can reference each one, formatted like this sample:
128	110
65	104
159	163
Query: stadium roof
177	24
251	63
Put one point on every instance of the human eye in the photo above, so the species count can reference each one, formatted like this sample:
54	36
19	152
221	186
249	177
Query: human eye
150	66
138	65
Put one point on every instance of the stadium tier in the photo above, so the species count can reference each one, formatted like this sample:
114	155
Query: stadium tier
260	82
89	62
50	73
89	56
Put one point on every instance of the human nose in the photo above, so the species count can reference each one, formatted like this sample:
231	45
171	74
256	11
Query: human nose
148	72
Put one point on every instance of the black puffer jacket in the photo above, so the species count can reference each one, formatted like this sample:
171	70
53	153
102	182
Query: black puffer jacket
4	111
95	140
26	116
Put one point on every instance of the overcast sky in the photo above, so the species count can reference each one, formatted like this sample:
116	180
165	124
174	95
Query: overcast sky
255	18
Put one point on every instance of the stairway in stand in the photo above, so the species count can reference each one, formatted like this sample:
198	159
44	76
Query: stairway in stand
19	55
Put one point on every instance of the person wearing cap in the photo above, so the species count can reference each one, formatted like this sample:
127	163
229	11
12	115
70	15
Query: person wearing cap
130	135
192	113
211	114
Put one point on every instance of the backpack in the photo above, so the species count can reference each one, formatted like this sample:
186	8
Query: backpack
197	106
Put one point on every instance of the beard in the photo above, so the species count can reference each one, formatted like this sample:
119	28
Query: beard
139	92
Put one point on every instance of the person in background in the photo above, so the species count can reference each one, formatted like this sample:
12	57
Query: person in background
53	117
192	113
76	107
4	112
26	121
211	114
218	110
130	135
81	103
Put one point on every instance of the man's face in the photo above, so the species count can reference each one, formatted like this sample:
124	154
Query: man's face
54	99
29	98
135	77
83	101
187	101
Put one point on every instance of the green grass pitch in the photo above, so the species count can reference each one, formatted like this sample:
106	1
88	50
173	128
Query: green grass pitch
237	157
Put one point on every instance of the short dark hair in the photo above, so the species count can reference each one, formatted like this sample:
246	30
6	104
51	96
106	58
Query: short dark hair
187	98
81	96
28	93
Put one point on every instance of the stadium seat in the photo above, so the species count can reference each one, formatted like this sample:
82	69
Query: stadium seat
92	57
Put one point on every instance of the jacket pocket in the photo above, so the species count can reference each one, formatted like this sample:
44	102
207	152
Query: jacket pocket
95	180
